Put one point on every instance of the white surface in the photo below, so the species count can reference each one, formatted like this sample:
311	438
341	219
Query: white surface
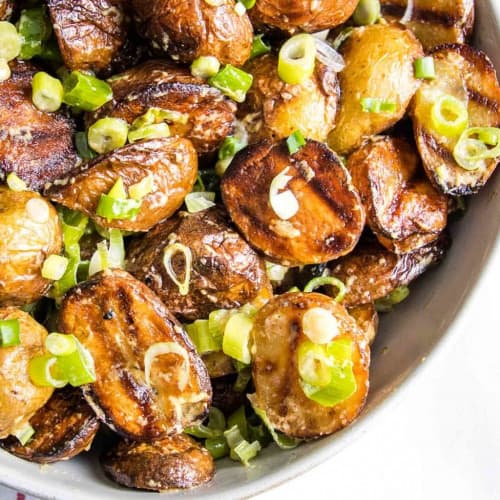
442	438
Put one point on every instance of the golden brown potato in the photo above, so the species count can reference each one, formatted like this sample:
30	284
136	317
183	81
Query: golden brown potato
274	109
275	339
379	65
30	231
90	34
6	7
402	207
19	397
172	162
468	75
329	219
37	146
372	272
301	15
118	319
159	84
64	427
366	317
187	30
434	22
225	272
218	364
171	463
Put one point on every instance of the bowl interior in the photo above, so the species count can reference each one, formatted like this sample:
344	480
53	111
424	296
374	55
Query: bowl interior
407	336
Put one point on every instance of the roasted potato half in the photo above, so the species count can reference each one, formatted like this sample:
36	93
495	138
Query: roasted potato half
290	16
37	146
274	109
187	30
366	317
64	427
468	75
90	34
329	217
150	380
171	162
19	397
6	7
225	272
403	209
276	338
372	272
30	231
434	22
171	463
208	115
379	65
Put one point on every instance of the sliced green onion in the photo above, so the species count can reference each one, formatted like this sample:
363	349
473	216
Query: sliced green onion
230	147
59	344
259	47
198	201
118	191
248	4
237	336
70	277
158	115
47	92
5	72
74	225
342	37
276	272
367	12
215	426
217	321
154	131
41	368
216	419
116	250
314	364
324	281
242	380
375	105
15	183
472	147
295	141
241	449
343	382
168	254
142	188
82	146
296	59
449	116
217	447
24	434
239	8
10	41
78	367
232	82
161	348
35	29
239	419
386	303
9	333
107	134
283	441
54	267
112	208
86	92
424	68
284	203
100	259
199	333
205	67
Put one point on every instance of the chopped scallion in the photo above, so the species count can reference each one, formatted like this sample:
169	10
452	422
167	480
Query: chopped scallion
237	336
24	434
15	183
296	60
386	303
327	281
197	201
232	82
10	41
107	134
142	188
78	367
199	333
59	344
424	68
9	333
367	12
86	92
449	116
205	67
82	146
295	142
259	47
375	105
45	372
54	267
154	131
47	92
35	29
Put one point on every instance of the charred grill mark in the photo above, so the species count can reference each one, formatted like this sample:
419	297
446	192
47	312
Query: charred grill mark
422	15
441	151
482	100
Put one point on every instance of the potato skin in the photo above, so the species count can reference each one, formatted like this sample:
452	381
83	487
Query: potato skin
19	397
30	231
290	16
188	30
330	217
171	161
37	146
117	319
434	22
467	74
210	115
371	272
366	317
275	338
225	272
171	463
6	7
274	109
90	34
403	209
64	427
379	64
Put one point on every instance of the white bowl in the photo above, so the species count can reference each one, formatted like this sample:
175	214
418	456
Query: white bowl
436	306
